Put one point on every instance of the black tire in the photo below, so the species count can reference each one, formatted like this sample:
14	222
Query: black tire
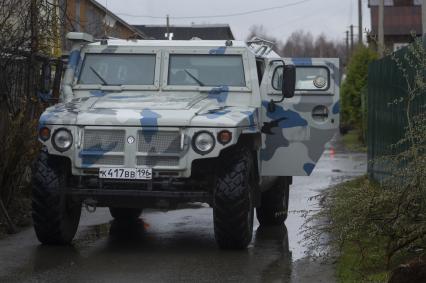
125	213
55	216
273	209
233	200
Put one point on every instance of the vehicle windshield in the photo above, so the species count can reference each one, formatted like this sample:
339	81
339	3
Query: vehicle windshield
206	70
118	69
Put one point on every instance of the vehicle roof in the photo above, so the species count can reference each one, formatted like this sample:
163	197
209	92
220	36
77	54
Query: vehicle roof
173	43
185	43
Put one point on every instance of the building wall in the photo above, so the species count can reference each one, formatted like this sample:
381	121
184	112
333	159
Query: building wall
96	22
401	23
85	16
398	20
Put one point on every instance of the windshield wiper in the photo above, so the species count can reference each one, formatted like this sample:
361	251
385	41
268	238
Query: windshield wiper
194	78
104	82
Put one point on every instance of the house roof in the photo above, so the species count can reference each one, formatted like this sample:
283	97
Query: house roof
118	19
205	32
398	20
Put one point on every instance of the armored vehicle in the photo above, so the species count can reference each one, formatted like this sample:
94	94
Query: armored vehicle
152	124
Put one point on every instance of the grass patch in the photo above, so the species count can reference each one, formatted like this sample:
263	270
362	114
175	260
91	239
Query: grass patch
358	261
352	142
355	267
362	240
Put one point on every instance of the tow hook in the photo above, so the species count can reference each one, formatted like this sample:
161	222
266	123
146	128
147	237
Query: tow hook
90	205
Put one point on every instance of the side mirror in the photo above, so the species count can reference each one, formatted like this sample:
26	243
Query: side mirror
289	81
288	85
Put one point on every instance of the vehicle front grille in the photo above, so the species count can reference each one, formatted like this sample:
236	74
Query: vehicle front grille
109	147
159	142
104	140
157	161
103	160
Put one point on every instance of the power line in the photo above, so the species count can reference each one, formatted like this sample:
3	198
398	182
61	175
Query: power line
309	16
219	16
287	22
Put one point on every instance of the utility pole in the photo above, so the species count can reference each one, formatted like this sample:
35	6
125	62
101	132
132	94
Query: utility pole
360	22
352	38
424	16
347	46
381	28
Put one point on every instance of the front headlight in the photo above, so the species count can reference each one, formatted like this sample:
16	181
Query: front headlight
203	142
62	140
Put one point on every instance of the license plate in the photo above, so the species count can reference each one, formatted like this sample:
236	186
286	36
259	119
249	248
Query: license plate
126	173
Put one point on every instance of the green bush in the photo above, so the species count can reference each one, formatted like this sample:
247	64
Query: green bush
374	227
354	86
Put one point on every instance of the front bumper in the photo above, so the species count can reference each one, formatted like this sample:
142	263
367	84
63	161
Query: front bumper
137	198
155	193
167	150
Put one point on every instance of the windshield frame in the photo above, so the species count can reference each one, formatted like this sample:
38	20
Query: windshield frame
205	51
123	50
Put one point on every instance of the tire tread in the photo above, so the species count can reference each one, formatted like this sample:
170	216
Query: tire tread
232	201
48	179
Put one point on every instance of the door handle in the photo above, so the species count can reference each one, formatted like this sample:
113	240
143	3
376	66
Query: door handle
320	113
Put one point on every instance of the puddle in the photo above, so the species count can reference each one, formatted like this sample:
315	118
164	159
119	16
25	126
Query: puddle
91	234
123	230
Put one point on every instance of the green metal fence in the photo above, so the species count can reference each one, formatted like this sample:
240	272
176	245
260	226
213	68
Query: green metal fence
387	118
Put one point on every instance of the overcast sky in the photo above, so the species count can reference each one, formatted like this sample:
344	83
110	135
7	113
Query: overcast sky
331	17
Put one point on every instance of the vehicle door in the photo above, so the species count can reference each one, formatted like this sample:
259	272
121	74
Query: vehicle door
295	133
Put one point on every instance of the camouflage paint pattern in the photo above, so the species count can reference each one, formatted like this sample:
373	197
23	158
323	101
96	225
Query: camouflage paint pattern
151	113
293	140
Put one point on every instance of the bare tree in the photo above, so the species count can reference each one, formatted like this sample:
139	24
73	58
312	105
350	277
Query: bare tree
302	44
28	35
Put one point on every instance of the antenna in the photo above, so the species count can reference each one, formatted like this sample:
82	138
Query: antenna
168	35
106	19
168	25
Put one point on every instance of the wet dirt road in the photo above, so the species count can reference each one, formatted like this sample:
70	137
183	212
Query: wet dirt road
179	246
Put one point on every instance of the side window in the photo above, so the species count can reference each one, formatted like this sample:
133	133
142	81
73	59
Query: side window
312	78
277	78
307	78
